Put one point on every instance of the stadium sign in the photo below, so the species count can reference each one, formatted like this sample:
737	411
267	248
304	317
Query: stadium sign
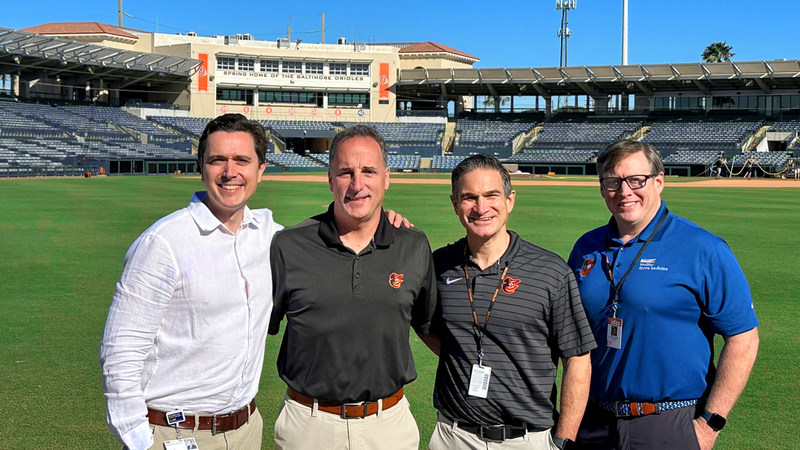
293	79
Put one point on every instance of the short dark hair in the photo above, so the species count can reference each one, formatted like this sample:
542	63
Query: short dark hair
364	131
611	156
230	123
480	162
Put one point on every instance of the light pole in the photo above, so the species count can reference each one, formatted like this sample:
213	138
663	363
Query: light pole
564	33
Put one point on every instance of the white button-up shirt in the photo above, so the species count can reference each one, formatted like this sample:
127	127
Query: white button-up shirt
188	322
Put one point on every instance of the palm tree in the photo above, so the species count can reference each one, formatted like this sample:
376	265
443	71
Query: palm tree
490	101
717	52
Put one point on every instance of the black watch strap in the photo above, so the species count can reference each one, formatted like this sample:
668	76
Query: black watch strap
563	443
714	420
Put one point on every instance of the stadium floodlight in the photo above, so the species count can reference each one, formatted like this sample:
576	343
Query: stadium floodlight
564	32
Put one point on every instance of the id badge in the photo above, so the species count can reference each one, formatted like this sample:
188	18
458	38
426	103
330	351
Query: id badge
614	333
181	444
479	381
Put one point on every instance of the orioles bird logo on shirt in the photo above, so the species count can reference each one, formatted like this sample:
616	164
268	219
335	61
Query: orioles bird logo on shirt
588	263
395	280
510	285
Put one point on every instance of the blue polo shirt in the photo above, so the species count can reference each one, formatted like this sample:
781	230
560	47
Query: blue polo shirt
685	287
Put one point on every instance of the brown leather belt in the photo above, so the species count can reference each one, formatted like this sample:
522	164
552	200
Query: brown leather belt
217	424
349	410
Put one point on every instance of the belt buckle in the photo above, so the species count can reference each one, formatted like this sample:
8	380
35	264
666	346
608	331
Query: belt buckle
214	425
343	413
617	409
493	427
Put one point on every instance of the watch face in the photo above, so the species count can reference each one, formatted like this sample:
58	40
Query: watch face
715	421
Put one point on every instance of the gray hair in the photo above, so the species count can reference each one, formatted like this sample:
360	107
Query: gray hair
611	156
480	162
364	131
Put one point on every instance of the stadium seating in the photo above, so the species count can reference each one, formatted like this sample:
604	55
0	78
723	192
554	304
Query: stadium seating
790	125
189	126
553	156
446	163
582	133
289	159
478	133
407	134
122	119
404	162
702	133
693	157
767	160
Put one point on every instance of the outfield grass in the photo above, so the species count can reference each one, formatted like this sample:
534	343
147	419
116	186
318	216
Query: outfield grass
65	239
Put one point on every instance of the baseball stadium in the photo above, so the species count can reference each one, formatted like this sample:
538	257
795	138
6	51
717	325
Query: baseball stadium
99	132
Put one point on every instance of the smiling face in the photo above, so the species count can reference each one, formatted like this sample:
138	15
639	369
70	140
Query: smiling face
358	179
231	173
633	209
481	205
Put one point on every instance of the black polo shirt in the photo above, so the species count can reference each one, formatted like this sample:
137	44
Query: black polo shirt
537	318
347	314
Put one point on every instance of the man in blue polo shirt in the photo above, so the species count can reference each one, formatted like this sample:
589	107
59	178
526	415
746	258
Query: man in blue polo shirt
656	289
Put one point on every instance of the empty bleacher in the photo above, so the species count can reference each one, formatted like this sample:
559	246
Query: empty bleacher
478	133
122	119
692	157
447	162
188	126
290	159
553	156
771	161
702	133
582	133
404	162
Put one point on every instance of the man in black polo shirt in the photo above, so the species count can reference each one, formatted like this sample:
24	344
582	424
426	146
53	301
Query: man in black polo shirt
349	285
508	310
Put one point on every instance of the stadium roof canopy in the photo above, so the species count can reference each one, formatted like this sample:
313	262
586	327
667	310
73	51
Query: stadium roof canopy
37	56
755	77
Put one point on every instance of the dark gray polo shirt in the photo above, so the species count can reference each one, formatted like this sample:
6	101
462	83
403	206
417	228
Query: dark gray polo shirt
531	326
348	315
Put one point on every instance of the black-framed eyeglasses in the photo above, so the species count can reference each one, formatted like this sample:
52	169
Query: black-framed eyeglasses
634	182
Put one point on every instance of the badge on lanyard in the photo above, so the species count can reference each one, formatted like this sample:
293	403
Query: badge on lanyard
614	333
479	381
181	444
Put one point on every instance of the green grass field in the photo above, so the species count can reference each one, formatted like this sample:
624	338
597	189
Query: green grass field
64	240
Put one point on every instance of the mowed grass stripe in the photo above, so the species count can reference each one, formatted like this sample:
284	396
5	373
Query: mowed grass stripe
65	240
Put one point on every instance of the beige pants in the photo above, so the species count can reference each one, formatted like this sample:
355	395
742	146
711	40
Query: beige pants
301	428
247	437
447	436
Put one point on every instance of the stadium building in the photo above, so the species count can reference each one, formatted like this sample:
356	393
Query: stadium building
134	102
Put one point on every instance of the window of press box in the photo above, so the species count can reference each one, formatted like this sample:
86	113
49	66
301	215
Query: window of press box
308	98
226	63
235	95
349	100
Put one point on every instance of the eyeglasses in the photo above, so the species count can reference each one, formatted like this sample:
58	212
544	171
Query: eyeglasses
634	182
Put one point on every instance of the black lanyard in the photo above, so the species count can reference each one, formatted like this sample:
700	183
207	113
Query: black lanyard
618	287
481	331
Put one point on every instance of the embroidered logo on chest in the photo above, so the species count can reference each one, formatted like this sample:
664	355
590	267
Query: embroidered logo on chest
588	263
510	285
395	280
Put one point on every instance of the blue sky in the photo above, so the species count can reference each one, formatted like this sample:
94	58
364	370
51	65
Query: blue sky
501	34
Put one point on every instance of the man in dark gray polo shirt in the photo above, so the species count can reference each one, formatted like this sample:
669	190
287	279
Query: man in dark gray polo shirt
349	285
508	310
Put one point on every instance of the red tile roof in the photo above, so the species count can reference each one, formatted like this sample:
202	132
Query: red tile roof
433	47
73	28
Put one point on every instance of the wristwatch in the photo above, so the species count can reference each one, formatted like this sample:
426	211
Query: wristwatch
714	420
562	443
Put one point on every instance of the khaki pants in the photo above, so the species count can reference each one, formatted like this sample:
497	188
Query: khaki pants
247	437
447	436
301	428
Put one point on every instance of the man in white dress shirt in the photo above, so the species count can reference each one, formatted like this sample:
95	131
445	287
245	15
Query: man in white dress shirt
184	341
